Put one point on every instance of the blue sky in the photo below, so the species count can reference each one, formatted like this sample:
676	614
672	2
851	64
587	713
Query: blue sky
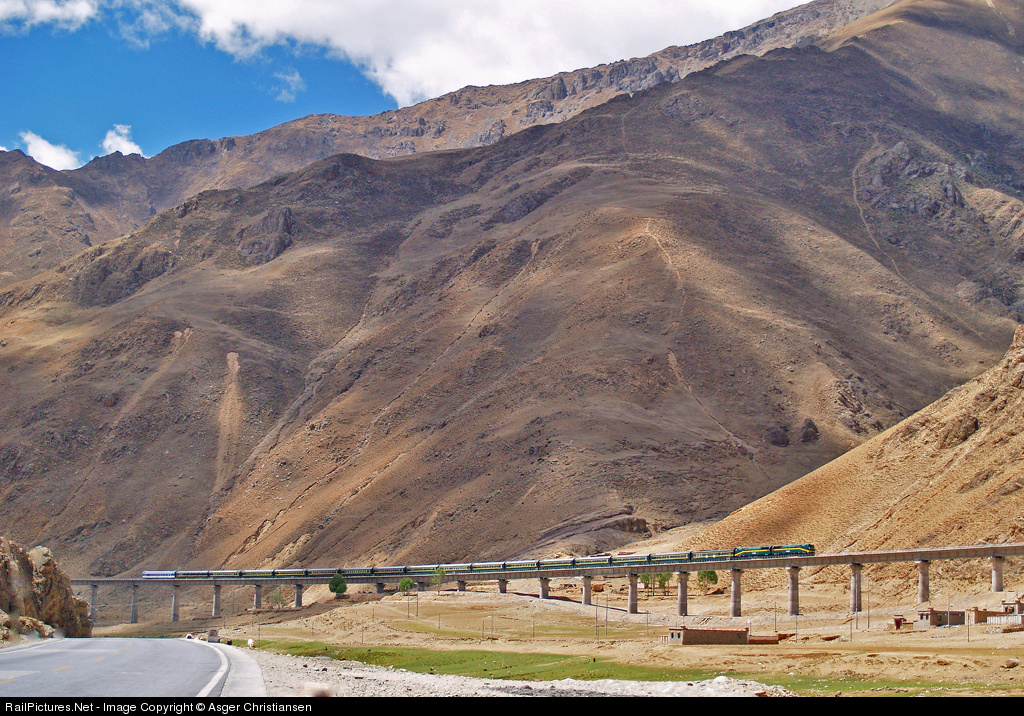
74	87
82	78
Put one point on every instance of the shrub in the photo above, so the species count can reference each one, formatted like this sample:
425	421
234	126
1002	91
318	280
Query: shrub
338	585
662	580
705	580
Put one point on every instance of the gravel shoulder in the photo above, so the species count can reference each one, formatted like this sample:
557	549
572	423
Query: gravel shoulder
322	676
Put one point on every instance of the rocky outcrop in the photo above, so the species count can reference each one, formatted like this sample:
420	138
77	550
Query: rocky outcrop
265	240
102	277
909	184
528	201
36	596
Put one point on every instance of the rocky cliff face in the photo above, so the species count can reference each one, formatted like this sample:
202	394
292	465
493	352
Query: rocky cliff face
477	116
36	596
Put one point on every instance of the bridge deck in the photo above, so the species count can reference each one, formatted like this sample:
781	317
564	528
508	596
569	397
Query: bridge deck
453	574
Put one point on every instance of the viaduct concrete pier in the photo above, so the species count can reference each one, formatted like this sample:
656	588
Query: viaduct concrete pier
682	584
735	593
132	585
996	554
794	589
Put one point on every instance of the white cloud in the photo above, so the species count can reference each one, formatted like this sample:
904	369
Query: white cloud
293	84
416	49
119	139
70	14
149	18
52	155
3	149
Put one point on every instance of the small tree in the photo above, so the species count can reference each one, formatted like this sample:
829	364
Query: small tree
705	580
662	579
406	585
338	585
439	575
276	598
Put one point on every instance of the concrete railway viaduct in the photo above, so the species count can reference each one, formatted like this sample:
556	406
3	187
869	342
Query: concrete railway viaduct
994	553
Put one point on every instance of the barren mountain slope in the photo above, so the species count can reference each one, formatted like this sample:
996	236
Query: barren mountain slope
650	314
950	474
47	216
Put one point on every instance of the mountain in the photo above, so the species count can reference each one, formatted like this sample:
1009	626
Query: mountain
646	315
947	475
48	216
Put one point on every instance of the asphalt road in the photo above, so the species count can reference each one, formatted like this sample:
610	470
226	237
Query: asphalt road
127	667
